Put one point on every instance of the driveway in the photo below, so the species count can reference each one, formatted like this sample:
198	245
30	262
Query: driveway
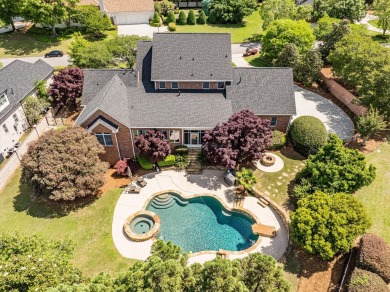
55	61
238	50
336	121
365	21
140	29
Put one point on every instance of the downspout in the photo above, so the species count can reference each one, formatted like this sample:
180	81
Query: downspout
28	122
132	142
117	144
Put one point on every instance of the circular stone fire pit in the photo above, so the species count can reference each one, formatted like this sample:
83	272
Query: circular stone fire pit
267	160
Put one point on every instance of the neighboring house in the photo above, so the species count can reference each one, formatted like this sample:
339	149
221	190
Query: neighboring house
128	11
183	85
17	81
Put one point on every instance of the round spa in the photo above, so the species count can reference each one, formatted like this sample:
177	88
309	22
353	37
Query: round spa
142	225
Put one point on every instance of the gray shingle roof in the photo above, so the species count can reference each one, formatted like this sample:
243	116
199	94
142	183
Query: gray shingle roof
18	79
265	91
191	56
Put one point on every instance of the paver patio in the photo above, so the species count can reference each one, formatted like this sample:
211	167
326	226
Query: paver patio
210	182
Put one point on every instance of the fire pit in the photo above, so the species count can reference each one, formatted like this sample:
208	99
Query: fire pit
267	160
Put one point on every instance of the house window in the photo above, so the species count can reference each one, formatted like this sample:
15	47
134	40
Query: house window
5	128
104	138
174	136
274	121
175	85
164	132
137	133
221	85
206	85
162	85
193	137
3	101
16	119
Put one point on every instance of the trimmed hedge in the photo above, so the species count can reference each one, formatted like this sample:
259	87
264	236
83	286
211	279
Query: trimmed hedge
144	162
172	26
182	18
364	281
374	255
181	150
308	134
168	161
191	18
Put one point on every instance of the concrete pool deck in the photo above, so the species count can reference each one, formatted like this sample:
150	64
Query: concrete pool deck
211	182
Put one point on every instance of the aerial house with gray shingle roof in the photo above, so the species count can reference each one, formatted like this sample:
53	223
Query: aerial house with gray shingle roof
183	85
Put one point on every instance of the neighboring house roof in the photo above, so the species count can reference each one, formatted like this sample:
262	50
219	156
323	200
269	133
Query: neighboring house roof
88	2
192	57
132	99
265	91
112	6
18	79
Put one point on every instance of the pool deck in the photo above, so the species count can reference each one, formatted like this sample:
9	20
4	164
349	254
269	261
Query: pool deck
209	182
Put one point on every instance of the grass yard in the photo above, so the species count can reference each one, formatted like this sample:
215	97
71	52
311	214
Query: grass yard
376	197
239	32
276	184
89	226
257	61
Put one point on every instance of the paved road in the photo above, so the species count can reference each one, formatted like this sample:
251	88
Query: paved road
55	61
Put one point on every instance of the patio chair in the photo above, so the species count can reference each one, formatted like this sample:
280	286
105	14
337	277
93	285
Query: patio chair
132	189
141	181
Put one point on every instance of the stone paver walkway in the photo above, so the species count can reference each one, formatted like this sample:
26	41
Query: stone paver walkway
366	20
210	181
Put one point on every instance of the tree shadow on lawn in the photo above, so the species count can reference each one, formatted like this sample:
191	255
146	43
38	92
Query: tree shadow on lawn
41	207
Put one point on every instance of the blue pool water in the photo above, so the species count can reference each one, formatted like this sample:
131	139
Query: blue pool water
201	223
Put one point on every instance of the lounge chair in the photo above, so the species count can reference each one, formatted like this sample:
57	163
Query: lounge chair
132	189
141	181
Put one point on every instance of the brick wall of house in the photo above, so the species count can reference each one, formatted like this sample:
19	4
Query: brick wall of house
121	142
188	85
281	124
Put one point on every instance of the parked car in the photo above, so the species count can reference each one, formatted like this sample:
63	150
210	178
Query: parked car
55	53
250	52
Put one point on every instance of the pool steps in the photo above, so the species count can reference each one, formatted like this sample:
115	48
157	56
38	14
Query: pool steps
167	200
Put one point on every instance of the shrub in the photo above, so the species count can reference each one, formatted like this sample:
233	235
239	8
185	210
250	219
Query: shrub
172	26
181	150
157	7
278	139
182	18
171	17
156	20
374	255
202	18
364	281
212	17
191	19
246	178
145	162
308	134
154	145
33	108
302	189
181	161
121	167
168	161
64	165
324	27
326	224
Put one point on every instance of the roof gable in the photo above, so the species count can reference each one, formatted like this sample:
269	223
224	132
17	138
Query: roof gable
128	5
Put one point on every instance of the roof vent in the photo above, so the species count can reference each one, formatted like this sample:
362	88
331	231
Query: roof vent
180	57
193	58
226	56
211	74
192	74
178	93
239	81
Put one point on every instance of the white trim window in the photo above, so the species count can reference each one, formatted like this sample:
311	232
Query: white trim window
16	118
5	128
175	85
221	85
104	139
163	85
206	85
274	121
174	136
3	101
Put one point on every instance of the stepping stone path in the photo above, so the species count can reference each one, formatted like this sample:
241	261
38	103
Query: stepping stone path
276	191
269	187
279	183
285	174
279	177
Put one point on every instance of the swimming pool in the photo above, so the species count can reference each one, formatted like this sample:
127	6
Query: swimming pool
201	223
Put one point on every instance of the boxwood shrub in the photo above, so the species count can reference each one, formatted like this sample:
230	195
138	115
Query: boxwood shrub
278	140
144	162
181	150
172	26
168	161
308	134
374	255
363	281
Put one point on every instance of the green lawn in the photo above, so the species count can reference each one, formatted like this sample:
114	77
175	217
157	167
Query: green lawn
376	197
89	226
275	184
18	44
257	61
239	32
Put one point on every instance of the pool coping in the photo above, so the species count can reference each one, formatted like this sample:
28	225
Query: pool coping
239	210
146	236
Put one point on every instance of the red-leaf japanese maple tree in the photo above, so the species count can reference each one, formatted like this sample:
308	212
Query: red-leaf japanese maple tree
241	139
154	145
67	86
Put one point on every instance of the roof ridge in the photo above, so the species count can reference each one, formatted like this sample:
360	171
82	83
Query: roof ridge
108	88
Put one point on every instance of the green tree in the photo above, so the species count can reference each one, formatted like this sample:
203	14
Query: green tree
71	11
262	273
124	49
370	124
320	8
304	12
94	22
326	224
271	10
45	12
10	9
232	11
171	17
94	55
324	27
287	31
32	263
156	20
345	9
336	168
191	18
33	108
202	18
338	32
382	10
288	57
309	67
182	18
